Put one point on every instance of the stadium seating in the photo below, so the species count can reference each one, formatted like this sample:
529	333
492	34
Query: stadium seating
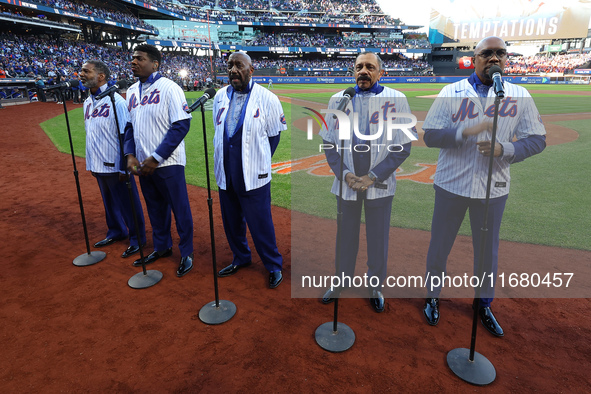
105	12
540	63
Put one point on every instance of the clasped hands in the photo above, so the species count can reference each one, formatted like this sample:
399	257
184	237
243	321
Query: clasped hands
483	146
358	183
146	167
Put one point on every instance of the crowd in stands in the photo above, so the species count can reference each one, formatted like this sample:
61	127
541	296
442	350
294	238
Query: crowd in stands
336	63
321	40
296	40
347	6
14	14
33	56
540	63
291	11
107	12
29	56
345	11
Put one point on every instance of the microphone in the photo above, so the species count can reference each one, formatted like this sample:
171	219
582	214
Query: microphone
347	96
209	93
495	74
62	85
118	85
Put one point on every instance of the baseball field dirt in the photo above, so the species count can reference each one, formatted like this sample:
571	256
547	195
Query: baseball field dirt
82	329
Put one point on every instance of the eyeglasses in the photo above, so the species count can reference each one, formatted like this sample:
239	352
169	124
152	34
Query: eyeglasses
488	53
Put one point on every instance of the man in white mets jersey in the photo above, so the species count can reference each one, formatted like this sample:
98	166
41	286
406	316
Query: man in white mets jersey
460	123
369	170
155	151
104	159
247	119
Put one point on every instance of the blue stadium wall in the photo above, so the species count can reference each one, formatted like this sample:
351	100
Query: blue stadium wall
351	80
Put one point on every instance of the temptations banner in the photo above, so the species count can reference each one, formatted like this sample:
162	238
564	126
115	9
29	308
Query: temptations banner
468	21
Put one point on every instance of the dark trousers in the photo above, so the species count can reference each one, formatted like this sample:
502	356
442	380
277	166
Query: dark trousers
377	231
166	190
252	208
41	95
448	215
118	211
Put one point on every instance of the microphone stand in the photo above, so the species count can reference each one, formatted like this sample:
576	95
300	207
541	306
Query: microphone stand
218	311
335	336
88	258
146	278
468	364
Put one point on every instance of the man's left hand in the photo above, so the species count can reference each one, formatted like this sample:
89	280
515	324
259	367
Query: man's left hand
149	165
362	184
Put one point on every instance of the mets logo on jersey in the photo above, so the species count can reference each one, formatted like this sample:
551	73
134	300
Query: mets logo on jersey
218	117
103	111
466	110
185	107
152	98
256	115
282	119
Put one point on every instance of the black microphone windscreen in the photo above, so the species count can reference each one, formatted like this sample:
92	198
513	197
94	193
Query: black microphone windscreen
210	92
122	84
349	92
493	70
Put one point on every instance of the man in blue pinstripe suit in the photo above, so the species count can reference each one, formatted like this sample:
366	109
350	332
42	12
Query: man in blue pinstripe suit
459	122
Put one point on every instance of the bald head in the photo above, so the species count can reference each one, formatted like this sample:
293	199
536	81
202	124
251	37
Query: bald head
242	55
491	51
240	70
490	40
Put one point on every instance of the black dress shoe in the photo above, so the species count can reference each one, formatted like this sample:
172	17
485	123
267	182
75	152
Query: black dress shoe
331	294
431	311
185	265
131	250
232	269
489	322
149	259
105	242
377	301
275	278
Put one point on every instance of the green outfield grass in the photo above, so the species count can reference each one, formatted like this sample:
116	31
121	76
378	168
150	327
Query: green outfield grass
549	195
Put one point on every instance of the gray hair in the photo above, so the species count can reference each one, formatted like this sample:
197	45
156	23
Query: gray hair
378	58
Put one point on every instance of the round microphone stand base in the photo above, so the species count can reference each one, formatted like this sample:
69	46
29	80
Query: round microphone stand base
335	341
212	314
143	281
479	372
89	258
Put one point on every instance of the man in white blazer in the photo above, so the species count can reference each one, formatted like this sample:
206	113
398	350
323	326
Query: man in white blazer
248	120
